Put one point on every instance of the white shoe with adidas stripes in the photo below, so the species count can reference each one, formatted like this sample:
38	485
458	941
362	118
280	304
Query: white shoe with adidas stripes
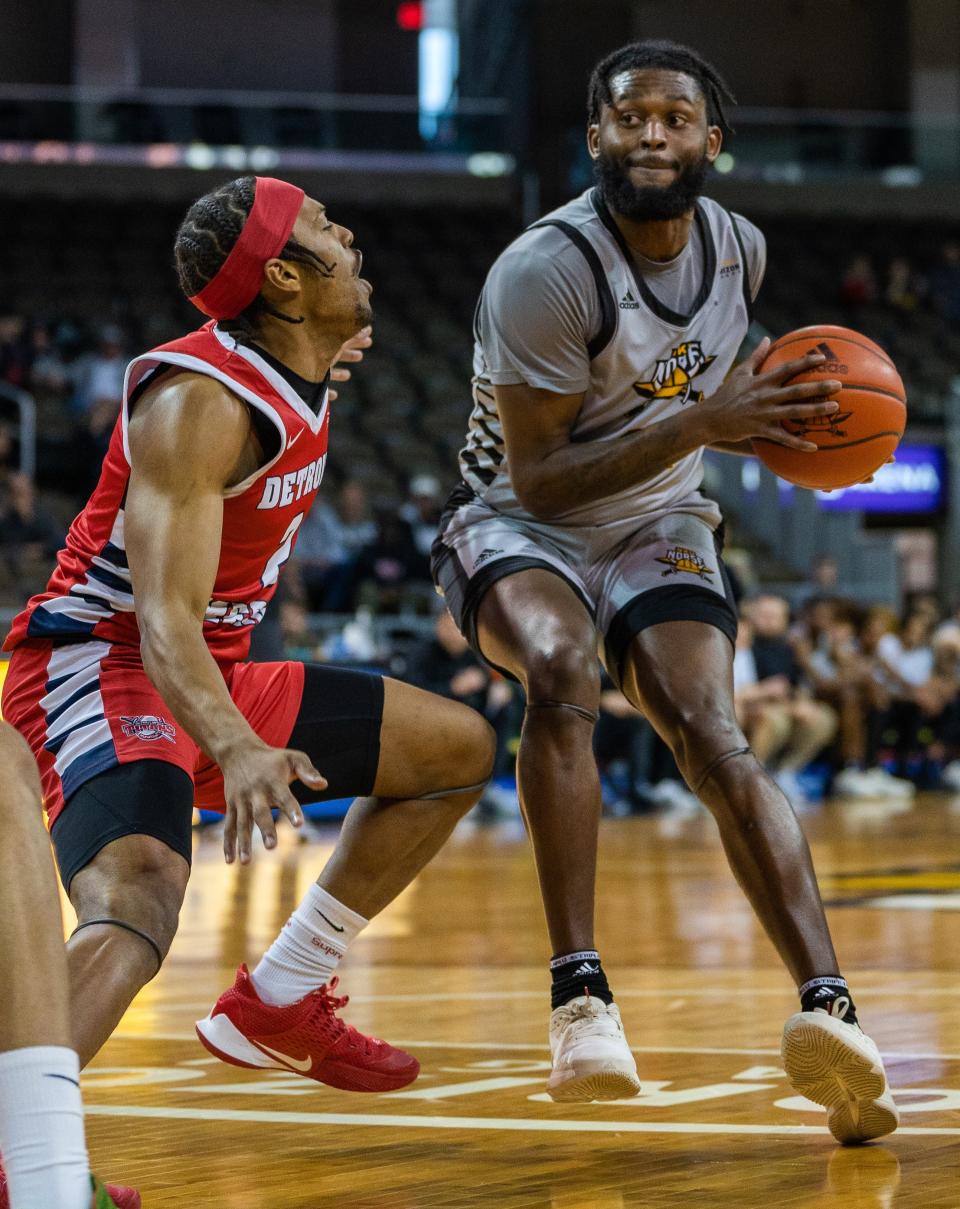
591	1058
836	1064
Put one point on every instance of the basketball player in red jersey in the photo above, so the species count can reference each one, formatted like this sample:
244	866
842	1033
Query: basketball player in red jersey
41	1114
127	676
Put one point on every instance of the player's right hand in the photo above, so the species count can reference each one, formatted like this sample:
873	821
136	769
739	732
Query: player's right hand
753	403
256	780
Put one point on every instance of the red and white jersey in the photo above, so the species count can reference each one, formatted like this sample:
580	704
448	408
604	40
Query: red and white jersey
90	595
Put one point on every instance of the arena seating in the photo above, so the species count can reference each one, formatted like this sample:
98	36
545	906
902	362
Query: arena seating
96	262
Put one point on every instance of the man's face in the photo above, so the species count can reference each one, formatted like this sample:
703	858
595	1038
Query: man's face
770	616
332	289
652	145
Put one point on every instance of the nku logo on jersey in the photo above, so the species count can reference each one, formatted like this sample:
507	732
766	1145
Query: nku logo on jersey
673	376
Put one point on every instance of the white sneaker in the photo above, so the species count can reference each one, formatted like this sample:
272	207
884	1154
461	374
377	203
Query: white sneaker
674	799
591	1058
875	784
889	785
951	775
837	1065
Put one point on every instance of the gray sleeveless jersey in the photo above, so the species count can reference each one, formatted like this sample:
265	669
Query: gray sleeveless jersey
567	308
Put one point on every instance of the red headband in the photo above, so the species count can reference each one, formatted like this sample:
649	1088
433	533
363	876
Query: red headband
276	205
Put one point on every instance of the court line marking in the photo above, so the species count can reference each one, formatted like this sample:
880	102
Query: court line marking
496	1046
888	989
516	1124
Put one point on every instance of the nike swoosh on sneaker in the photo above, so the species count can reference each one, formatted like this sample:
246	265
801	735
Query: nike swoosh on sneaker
329	921
303	1065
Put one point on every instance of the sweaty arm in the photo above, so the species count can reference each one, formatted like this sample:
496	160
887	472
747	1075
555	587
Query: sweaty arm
552	474
189	438
189	441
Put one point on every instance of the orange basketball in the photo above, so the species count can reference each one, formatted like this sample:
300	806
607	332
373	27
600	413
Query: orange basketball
855	441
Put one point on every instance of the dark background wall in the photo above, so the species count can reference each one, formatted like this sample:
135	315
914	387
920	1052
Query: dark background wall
36	41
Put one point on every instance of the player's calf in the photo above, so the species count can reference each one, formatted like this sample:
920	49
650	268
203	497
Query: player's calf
128	903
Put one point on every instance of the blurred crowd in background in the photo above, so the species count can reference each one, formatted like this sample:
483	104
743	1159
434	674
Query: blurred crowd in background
836	697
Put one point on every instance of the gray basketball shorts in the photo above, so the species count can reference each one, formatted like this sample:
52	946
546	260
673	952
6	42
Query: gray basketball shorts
669	569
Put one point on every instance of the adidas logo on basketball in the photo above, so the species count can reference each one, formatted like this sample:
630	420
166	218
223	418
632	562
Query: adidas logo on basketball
629	303
833	363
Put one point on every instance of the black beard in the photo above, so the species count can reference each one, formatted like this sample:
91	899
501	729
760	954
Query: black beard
650	203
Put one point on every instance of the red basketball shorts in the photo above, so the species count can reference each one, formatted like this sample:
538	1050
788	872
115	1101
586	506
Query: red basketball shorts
86	707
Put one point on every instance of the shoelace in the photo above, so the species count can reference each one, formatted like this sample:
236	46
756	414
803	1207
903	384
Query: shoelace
838	1008
330	1004
592	1023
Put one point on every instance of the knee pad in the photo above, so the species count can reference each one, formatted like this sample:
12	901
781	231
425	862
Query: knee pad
715	764
587	714
118	923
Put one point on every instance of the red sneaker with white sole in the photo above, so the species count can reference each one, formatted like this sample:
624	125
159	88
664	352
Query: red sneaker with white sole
119	1198
306	1037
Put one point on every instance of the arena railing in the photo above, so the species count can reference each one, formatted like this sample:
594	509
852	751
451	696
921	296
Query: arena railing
39	122
173	127
26	407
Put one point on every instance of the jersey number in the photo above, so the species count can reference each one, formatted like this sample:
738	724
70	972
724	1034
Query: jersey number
271	571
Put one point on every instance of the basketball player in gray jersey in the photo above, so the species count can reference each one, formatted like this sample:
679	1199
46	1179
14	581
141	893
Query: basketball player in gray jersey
605	344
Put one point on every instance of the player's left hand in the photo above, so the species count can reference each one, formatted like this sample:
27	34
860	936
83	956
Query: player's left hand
351	350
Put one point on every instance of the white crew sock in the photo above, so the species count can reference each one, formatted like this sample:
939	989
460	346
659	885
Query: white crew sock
308	950
41	1129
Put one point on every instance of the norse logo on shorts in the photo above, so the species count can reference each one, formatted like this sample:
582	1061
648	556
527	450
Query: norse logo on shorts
673	376
680	558
148	727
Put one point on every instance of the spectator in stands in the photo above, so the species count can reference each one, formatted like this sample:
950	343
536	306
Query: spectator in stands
48	370
14	350
837	649
906	659
823	579
7	463
922	672
945	282
98	380
330	546
98	391
786	727
637	766
390	565
858	287
445	664
422	513
904	287
29	536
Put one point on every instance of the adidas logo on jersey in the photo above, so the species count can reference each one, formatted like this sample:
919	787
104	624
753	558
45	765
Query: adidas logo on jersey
628	302
485	556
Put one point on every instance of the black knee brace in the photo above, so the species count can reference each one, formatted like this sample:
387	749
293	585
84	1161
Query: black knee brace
117	923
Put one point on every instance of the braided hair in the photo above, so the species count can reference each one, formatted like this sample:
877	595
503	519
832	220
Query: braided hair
669	55
208	233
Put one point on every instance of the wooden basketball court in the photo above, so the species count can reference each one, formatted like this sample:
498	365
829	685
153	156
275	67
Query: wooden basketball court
455	971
